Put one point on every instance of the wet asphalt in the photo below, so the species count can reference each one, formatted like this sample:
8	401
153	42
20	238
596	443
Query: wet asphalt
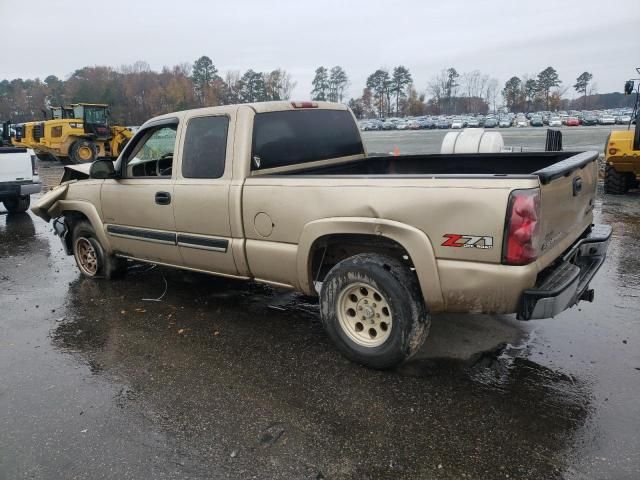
225	379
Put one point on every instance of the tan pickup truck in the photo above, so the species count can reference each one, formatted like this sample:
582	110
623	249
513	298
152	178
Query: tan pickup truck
285	193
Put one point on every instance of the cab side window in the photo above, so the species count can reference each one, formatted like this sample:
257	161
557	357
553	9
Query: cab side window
152	156
205	147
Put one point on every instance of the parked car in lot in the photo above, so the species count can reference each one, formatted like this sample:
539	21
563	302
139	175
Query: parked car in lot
457	123
490	123
443	123
504	122
536	121
18	178
623	119
555	122
473	123
293	200
572	122
521	122
589	120
607	120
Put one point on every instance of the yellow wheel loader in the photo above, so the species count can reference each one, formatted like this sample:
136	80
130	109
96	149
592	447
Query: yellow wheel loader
78	133
622	150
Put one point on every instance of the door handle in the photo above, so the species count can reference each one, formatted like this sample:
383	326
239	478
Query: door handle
163	198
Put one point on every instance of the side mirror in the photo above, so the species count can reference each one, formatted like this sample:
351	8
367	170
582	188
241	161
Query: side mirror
628	87
101	169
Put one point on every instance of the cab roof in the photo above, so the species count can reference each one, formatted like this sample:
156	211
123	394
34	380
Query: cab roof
258	107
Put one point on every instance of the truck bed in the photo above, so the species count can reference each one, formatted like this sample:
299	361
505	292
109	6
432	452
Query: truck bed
545	165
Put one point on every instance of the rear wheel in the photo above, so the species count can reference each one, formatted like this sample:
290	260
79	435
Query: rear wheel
615	183
372	308
17	204
45	157
83	151
90	256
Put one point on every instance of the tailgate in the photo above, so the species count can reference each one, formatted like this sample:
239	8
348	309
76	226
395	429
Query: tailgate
568	191
15	165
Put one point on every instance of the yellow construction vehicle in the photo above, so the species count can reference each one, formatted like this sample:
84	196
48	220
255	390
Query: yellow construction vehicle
77	133
622	150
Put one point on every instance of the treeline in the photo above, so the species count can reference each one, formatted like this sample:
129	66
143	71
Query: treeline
449	92
136	93
394	93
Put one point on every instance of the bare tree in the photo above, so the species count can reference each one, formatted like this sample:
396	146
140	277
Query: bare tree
437	87
492	92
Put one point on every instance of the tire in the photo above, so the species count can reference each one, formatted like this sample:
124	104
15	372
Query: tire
45	157
615	183
17	204
353	299
90	255
83	151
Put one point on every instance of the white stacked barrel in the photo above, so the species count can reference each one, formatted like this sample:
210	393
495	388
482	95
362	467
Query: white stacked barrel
472	140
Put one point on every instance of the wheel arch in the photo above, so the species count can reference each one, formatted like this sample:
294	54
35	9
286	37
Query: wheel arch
361	235
75	211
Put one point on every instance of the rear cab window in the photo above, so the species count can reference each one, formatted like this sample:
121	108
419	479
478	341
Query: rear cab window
205	147
301	136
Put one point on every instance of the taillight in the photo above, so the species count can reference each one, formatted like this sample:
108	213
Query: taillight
521	244
34	165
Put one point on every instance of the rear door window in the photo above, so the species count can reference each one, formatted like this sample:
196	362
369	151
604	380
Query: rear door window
301	136
205	147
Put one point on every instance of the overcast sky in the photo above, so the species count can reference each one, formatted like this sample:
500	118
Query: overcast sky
500	38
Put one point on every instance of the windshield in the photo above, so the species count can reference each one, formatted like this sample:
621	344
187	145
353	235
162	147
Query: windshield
95	115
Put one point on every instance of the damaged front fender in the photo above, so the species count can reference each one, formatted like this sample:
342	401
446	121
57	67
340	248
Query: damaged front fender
72	174
42	206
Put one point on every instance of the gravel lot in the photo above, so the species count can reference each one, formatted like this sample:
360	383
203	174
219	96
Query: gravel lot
221	379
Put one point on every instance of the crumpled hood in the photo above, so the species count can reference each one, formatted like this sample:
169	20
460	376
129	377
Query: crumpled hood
76	172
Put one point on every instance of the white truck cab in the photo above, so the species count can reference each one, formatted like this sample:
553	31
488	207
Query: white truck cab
18	178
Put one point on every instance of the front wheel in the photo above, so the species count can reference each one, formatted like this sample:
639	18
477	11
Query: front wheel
615	183
372	308
17	204
90	256
83	151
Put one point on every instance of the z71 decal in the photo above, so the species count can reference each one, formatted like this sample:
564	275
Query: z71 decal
467	241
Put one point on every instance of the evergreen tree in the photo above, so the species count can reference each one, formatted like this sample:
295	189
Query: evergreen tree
203	75
547	79
400	80
338	82
511	92
378	82
252	87
582	83
320	84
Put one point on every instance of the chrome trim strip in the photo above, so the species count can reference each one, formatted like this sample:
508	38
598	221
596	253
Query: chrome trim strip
135	237
147	235
201	247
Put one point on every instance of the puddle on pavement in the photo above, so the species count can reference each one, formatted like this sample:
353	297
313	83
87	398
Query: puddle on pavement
260	356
